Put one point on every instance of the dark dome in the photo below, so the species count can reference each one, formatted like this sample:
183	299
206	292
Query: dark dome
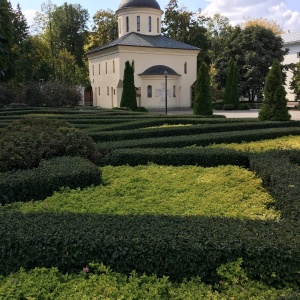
139	3
159	70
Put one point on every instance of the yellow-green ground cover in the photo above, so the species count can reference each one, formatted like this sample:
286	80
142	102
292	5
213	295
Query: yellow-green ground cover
228	191
286	142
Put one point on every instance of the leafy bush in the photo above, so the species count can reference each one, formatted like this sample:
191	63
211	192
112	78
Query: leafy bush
179	247
59	94
243	106
7	95
26	142
96	280
228	106
217	106
50	176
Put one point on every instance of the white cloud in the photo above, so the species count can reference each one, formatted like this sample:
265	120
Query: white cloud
238	10
29	15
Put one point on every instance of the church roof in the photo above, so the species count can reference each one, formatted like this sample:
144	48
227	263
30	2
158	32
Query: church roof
159	70
139	3
291	38
141	40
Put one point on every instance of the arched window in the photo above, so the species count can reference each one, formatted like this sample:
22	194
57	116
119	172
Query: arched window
185	68
138	23
149	24
127	24
149	91
174	91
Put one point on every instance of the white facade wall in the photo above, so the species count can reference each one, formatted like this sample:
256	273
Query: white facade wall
144	13
179	87
292	57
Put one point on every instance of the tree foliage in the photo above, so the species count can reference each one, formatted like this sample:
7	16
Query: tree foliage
264	22
254	50
203	98
105	29
295	82
187	27
274	106
129	93
231	89
218	35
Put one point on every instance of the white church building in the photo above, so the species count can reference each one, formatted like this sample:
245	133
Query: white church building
152	55
292	42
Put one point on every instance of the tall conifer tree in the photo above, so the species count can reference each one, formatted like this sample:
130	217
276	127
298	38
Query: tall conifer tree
129	93
274	106
203	96
231	89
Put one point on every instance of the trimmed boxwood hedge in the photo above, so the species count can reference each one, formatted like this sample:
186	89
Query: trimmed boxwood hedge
205	157
179	247
280	174
200	139
106	136
49	176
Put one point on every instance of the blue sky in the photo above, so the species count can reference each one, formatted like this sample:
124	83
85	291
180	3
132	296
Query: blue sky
285	12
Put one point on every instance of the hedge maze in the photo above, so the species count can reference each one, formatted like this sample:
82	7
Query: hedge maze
177	246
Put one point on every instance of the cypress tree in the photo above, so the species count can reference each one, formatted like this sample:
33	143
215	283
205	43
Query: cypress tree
203	96
128	98
274	105
231	89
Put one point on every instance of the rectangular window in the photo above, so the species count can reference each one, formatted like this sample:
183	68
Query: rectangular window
174	91
114	66
127	24
99	91
99	69
106	67
120	26
93	70
138	23
149	91
185	68
157	25
108	90
149	24
298	54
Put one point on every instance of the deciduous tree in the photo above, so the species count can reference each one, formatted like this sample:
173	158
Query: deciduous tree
254	50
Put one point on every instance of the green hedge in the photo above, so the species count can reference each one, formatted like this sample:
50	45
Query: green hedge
205	157
280	174
41	182
179	247
200	139
107	136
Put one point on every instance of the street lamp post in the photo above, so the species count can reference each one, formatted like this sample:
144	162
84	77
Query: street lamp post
166	90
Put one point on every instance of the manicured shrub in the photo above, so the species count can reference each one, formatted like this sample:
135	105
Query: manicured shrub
179	247
229	106
49	176
204	139
274	107
203	97
128	98
177	157
280	175
231	96
24	143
